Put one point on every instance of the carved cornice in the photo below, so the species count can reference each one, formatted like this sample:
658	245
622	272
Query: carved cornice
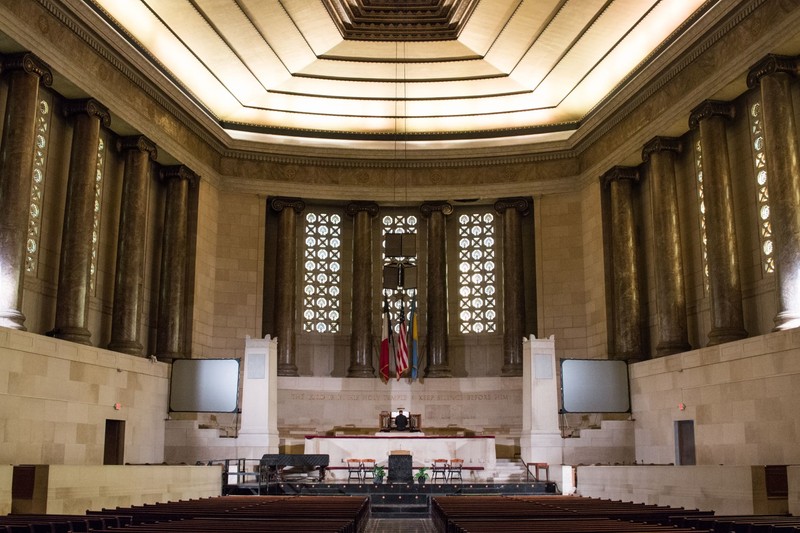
89	106
708	109
519	203
29	63
429	208
354	208
772	64
661	144
280	203
138	142
179	172
620	173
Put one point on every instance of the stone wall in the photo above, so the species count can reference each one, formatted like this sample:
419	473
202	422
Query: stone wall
55	398
6	476
722	489
60	489
742	397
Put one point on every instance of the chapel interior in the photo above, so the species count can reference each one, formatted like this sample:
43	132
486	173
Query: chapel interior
564	180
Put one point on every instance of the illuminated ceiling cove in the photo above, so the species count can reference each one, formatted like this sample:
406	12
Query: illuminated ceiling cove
416	69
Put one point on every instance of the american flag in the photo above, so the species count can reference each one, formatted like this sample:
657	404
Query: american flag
401	364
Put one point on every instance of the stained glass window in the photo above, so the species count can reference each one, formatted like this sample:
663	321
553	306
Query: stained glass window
322	263
701	205
477	273
37	185
762	191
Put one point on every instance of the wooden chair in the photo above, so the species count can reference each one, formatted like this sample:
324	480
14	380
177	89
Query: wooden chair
367	469
353	469
439	469
542	467
454	469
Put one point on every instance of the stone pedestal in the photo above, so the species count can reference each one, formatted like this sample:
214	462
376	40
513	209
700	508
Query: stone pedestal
259	429
540	440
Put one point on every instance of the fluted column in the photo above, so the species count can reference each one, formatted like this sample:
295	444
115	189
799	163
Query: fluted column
24	72
126	316
438	364
727	317
626	290
512	210
170	342
673	332
286	282
361	328
72	303
775	74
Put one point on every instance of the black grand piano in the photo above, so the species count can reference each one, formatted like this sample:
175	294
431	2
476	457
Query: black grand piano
276	466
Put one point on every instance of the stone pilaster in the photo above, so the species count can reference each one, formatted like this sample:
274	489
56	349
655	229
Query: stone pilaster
723	260
512	210
438	363
126	317
286	282
361	332
72	301
673	333
626	289
170	341
775	74
24	73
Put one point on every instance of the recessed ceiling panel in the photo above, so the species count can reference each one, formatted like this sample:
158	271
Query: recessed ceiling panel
370	68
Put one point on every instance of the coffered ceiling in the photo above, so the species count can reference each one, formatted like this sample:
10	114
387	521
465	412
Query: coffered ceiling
428	70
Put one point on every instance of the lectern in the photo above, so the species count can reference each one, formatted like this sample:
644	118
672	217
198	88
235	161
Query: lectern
400	467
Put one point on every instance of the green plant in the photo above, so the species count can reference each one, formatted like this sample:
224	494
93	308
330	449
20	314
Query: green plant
378	472
422	474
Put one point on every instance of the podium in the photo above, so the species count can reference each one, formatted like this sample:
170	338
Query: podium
400	467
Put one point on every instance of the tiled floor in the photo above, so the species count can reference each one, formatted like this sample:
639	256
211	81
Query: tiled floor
400	525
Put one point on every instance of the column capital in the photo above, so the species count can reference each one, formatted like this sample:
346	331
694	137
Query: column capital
29	63
428	208
519	203
661	144
138	142
88	106
179	172
619	173
279	203
772	64
353	208
708	109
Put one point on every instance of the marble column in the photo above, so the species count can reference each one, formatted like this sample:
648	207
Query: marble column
512	210
286	282
170	341
775	74
438	364
727	317
626	290
126	316
361	327
72	300
673	332
24	72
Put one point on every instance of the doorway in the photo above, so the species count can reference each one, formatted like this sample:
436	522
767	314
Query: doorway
684	442
114	448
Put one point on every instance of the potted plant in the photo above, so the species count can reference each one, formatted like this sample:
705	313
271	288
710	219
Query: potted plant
422	475
378	473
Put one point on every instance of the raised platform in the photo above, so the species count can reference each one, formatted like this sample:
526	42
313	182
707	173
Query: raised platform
397	500
478	452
